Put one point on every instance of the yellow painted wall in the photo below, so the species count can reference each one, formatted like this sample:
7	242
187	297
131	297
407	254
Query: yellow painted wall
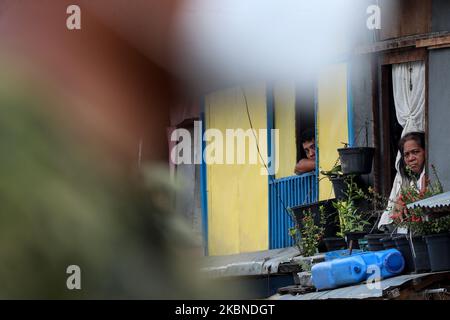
237	194
284	114
331	120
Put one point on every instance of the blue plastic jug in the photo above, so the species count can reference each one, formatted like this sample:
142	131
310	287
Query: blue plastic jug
356	268
390	262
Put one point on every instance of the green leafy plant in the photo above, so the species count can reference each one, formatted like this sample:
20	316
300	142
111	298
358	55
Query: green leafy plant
378	202
415	219
440	225
335	172
294	232
306	266
351	219
308	236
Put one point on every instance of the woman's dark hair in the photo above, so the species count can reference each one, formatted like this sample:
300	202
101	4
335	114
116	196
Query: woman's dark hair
419	138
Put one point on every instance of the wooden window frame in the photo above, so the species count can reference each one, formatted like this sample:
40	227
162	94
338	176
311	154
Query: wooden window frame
381	63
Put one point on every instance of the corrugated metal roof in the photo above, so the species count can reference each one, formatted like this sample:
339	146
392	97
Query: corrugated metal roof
437	203
361	291
248	264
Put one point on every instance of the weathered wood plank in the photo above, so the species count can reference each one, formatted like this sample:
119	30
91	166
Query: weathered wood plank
433	42
410	55
398	43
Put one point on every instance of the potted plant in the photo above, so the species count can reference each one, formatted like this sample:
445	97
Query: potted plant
309	234
414	246
377	205
438	244
338	179
352	220
335	243
374	241
352	225
357	160
322	210
388	242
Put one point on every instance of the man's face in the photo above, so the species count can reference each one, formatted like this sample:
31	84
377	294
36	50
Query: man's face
310	149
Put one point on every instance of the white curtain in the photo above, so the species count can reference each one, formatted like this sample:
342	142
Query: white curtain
409	96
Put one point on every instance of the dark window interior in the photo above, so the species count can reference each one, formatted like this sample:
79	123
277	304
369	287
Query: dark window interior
395	132
304	114
391	131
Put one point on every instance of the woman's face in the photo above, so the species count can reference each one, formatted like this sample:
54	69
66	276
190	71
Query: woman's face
414	156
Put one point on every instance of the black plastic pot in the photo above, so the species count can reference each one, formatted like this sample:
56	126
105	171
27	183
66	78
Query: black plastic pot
339	187
378	247
335	243
354	237
373	241
374	238
402	244
375	248
388	243
439	251
356	160
420	255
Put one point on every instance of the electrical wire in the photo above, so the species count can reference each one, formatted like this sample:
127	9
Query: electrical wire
264	163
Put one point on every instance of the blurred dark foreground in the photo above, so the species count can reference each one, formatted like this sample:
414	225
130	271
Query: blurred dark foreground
62	202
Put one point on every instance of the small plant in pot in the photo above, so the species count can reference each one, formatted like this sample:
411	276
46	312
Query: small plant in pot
352	220
438	244
309	234
377	205
322	210
414	246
